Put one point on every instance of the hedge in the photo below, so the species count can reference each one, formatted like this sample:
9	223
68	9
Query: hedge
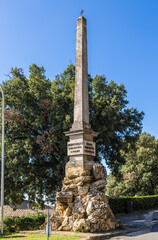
17	224
131	204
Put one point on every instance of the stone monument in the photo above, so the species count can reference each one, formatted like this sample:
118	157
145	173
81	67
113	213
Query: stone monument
82	204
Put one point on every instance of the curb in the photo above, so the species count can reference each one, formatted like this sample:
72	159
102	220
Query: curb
103	236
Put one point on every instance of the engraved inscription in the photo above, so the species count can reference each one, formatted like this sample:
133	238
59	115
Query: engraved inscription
83	148
75	148
74	144
89	148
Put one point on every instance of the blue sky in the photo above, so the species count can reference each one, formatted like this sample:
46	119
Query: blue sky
122	43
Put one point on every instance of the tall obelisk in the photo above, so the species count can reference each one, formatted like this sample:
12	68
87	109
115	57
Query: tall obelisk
82	205
81	148
81	103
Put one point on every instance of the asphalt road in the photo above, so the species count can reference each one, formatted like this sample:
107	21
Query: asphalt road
149	234
153	235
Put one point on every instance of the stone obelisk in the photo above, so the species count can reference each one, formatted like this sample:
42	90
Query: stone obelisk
81	148
81	103
82	205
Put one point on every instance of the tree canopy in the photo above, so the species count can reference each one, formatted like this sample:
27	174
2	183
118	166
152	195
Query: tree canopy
37	113
139	174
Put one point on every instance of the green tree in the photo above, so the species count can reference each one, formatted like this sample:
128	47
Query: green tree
139	175
117	125
37	114
32	156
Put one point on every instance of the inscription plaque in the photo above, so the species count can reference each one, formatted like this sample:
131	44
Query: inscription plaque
81	147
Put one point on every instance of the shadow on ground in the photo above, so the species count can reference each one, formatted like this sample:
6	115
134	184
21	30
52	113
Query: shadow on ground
9	236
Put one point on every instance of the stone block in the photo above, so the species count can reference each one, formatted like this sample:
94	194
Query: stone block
67	212
83	190
83	179
98	185
66	224
64	197
99	171
81	225
69	188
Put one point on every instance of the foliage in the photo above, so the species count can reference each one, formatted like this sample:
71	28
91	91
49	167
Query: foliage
38	112
141	203
23	223
117	125
138	176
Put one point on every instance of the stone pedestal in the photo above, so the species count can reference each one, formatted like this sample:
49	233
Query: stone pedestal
82	204
81	150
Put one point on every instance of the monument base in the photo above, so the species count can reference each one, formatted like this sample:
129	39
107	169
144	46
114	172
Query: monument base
78	164
81	151
82	204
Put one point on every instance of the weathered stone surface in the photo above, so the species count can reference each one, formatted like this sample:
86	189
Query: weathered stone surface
72	176
85	173
99	171
76	165
67	212
98	185
102	197
83	190
83	179
81	105
81	225
67	182
66	224
111	224
96	208
70	187
61	206
70	204
64	197
69	179
56	221
86	209
79	209
82	204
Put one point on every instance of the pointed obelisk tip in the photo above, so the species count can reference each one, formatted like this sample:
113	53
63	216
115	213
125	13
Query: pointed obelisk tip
81	17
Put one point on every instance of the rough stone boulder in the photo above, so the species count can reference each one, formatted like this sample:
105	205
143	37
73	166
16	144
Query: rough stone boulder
99	172
98	185
82	205
81	225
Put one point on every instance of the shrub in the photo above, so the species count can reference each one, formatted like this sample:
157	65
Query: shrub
131	204
23	223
